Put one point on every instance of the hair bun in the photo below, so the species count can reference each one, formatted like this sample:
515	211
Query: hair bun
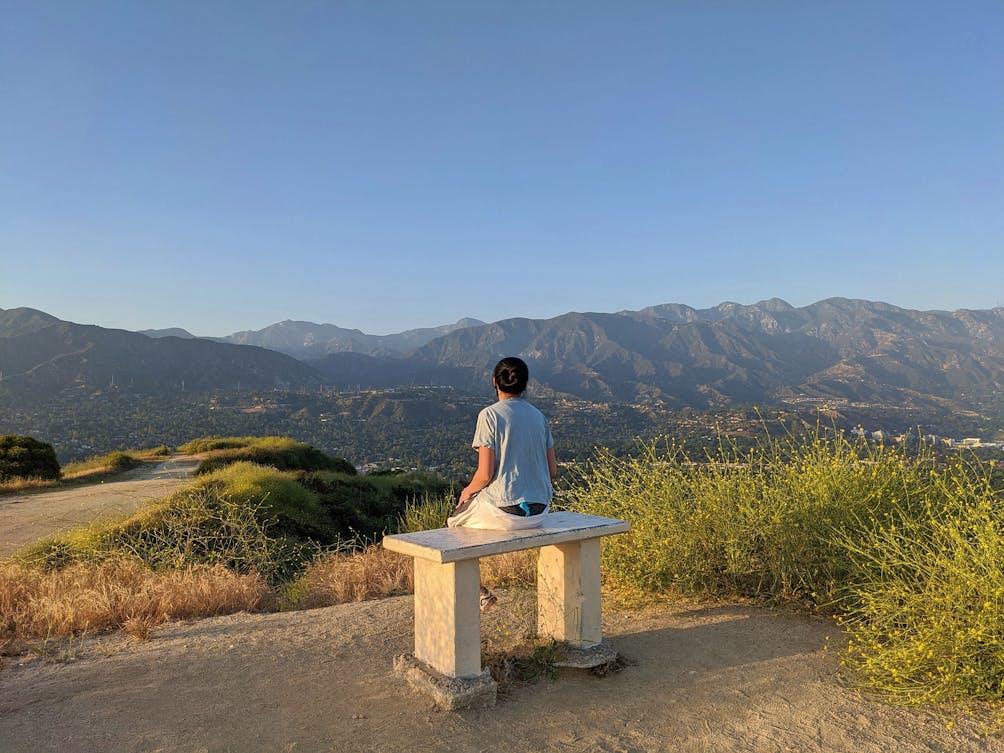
511	375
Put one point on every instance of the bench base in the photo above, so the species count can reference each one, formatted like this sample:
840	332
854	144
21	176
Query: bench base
449	693
588	658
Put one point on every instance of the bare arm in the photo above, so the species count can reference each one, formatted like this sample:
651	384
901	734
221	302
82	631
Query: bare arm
552	463
483	475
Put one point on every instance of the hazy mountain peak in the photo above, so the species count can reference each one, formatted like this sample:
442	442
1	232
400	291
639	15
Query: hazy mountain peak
775	305
307	340
23	320
169	332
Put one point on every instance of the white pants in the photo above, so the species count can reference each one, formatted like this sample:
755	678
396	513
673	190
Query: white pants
478	513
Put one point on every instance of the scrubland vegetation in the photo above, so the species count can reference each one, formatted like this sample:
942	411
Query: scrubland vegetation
26	463
282	453
905	550
908	553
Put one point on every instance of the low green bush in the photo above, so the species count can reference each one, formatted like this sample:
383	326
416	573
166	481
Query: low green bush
113	462
364	506
279	452
25	457
426	513
248	518
205	444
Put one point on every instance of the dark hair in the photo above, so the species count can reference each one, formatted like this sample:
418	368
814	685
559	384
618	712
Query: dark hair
511	375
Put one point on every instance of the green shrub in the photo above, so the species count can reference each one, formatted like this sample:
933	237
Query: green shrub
205	444
289	508
26	457
113	462
364	506
924	607
426	513
910	553
248	518
759	523
279	452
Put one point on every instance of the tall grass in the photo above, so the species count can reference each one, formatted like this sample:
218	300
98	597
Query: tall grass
118	593
510	569
368	573
925	605
205	444
22	484
908	552
758	523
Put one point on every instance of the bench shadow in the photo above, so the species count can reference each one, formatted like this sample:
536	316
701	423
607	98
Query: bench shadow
722	637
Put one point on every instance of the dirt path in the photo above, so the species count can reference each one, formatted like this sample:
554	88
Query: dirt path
27	517
704	679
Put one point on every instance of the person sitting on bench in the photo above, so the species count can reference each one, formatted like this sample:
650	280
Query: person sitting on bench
511	488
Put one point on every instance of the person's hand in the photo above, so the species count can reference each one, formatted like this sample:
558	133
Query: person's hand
465	495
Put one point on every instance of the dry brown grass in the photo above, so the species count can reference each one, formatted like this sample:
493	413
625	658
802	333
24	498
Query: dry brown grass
90	598
123	594
14	486
372	573
376	573
511	569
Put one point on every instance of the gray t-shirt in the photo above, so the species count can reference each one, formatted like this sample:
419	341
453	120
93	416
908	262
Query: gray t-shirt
520	437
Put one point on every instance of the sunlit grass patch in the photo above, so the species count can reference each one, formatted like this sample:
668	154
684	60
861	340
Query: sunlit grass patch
241	518
117	593
13	486
336	578
283	453
205	444
925	607
753	524
113	462
908	552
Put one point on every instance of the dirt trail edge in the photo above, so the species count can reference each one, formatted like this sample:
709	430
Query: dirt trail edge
705	679
27	517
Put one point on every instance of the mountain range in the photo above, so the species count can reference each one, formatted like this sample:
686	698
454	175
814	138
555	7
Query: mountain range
305	340
42	356
835	349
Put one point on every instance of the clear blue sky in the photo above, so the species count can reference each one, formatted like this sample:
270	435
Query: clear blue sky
384	165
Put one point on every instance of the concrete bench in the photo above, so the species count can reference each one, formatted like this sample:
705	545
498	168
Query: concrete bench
447	659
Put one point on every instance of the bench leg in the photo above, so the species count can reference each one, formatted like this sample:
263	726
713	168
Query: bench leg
568	593
447	618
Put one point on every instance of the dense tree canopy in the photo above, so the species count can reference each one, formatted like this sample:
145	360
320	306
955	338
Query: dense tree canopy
25	457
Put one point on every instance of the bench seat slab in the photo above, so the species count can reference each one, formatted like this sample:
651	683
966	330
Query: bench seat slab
455	544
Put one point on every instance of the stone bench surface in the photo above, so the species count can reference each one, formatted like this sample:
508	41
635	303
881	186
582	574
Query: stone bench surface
456	544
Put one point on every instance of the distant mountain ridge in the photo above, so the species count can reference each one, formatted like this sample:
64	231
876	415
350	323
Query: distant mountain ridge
42	356
170	332
304	340
835	349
